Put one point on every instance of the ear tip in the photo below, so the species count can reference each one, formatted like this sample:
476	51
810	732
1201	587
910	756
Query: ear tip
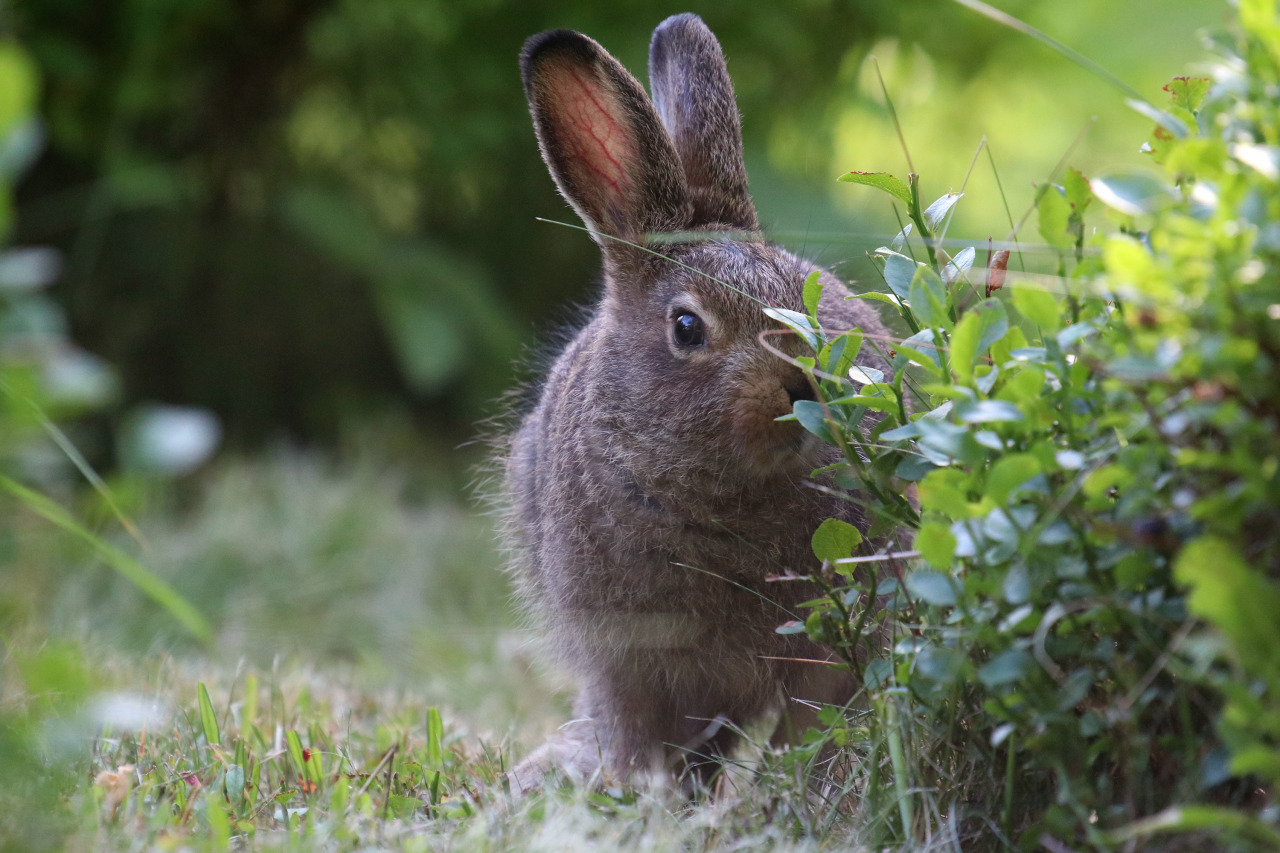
680	34
553	42
681	21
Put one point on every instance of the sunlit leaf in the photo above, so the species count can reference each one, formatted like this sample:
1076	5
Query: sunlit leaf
936	212
936	544
835	540
1038	306
978	329
1133	193
882	181
1188	92
987	412
1164	118
1054	211
799	323
1008	473
812	292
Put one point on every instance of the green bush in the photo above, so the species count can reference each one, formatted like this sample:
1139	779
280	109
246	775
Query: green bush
1086	639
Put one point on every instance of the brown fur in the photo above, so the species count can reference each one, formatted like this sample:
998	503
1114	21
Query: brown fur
651	490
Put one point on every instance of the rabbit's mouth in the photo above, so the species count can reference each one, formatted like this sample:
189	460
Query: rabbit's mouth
790	449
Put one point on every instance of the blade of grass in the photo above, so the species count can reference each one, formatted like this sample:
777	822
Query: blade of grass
77	459
155	588
893	116
1052	43
1008	212
897	757
656	238
208	719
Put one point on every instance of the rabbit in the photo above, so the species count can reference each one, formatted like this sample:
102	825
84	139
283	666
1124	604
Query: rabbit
650	489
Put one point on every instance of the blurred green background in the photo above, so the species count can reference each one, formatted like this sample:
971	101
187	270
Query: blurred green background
311	226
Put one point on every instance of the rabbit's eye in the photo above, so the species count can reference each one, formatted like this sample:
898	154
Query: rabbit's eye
690	331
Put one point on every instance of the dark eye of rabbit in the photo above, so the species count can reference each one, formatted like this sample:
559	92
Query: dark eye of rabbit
690	330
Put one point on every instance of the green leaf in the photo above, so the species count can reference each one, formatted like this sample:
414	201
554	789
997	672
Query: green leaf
1103	480
208	720
1133	193
944	491
865	375
922	348
1236	598
1130	264
1038	306
900	240
987	412
882	181
835	540
946	443
879	404
1007	474
799	322
1024	386
314	764
1054	211
294	743
936	543
913	468
1005	668
812	292
403	807
1078	193
875	296
1188	92
932	587
978	329
219	822
1218	821
911	430
1264	159
19	86
813	417
233	783
899	270
936	212
1165	119
928	297
959	266
435	739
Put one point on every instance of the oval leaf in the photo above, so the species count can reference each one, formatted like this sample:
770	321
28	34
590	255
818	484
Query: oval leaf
932	587
882	181
834	540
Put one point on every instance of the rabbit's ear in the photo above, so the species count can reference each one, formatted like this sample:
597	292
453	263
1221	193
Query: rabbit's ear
694	97
602	140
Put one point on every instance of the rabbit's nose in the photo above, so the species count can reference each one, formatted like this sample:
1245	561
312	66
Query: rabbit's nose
799	388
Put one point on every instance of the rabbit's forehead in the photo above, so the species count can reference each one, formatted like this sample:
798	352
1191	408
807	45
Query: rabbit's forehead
733	278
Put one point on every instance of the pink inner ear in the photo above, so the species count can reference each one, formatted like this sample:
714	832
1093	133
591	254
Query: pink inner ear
593	136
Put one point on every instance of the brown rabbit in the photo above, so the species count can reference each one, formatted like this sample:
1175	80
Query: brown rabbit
651	489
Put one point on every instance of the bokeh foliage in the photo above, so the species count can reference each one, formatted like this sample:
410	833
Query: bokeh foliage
300	211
